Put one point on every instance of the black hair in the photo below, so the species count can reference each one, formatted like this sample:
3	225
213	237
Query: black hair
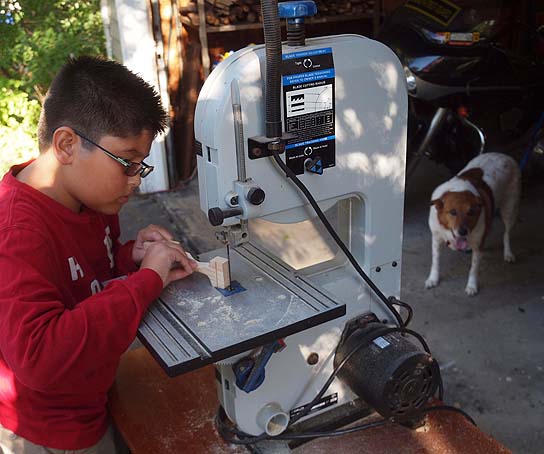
100	97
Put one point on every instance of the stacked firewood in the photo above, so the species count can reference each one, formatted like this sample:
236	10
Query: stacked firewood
346	7
234	12
230	12
224	12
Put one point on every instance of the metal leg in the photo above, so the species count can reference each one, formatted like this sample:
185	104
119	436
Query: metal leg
436	122
478	131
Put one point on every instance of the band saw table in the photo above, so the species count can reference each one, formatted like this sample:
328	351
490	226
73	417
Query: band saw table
193	324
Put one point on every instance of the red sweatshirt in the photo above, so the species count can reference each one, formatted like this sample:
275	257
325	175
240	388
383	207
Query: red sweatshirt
61	334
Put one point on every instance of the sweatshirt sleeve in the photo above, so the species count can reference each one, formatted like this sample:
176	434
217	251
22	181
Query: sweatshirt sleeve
123	258
122	252
50	348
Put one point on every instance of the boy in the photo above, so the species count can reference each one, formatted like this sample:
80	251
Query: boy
62	330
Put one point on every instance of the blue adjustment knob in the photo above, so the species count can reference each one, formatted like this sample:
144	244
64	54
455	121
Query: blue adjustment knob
302	8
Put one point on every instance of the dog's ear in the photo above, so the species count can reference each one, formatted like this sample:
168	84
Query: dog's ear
438	203
479	202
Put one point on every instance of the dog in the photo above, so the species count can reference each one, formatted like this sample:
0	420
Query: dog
463	207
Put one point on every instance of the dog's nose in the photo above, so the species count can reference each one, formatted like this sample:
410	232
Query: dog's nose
462	231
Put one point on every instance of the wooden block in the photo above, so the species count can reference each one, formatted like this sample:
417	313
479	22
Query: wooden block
221	266
217	270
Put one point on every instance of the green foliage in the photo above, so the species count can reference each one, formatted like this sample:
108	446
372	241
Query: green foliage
36	39
18	119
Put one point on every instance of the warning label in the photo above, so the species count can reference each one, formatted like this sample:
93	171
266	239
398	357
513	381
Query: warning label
308	99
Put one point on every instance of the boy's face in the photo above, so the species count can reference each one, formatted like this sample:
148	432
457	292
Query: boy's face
98	181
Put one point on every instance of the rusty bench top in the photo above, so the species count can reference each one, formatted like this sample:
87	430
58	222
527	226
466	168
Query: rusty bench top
162	415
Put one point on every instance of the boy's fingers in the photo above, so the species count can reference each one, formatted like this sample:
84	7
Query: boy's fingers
186	263
162	233
179	273
175	254
188	260
146	244
171	243
155	233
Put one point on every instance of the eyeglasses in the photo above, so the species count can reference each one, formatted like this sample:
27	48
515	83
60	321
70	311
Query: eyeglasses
131	168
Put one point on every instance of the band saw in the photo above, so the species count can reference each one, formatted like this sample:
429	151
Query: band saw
291	137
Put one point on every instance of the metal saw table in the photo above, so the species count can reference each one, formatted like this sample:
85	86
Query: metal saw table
194	324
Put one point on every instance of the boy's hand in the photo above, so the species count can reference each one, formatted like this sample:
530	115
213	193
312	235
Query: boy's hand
169	260
150	234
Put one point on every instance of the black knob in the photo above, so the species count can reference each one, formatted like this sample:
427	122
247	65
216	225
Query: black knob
255	196
216	215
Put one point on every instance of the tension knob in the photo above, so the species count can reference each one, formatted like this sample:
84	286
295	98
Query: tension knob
216	215
256	196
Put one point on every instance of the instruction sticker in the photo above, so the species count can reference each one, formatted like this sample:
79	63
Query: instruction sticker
308	107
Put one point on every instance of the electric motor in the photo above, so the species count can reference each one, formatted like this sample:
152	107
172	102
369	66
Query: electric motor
387	371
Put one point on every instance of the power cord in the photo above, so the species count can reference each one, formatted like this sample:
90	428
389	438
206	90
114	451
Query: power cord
232	435
365	341
396	302
290	174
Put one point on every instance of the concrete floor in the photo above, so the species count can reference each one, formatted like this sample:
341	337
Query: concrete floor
490	346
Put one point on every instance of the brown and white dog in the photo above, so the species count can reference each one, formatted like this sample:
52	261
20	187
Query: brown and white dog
463	207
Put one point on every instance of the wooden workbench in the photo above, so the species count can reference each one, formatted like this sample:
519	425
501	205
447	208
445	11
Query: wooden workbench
157	414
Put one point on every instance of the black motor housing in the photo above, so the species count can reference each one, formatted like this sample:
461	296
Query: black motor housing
387	371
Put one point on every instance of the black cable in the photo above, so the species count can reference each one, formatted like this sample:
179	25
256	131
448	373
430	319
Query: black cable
365	341
229	432
226	432
290	174
333	433
243	439
397	302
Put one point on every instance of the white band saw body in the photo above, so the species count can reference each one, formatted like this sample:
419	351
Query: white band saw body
362	182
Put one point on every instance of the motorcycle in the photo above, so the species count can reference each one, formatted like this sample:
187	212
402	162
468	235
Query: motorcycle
475	77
